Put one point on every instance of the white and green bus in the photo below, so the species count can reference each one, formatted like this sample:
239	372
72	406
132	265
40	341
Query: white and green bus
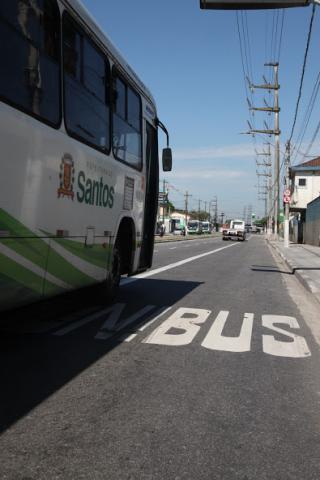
206	227
79	155
194	227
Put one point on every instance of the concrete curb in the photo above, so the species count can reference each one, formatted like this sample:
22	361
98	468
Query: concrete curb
181	238
299	273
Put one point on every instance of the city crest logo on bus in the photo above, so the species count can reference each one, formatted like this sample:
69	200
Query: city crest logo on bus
66	177
89	191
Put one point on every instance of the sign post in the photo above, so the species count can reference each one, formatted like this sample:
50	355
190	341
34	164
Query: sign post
287	197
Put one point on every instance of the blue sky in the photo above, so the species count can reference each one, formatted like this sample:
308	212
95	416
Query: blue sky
190	60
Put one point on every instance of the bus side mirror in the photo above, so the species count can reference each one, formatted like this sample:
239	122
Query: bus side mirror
167	160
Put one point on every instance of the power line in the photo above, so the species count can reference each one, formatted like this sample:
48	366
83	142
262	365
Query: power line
307	117
281	32
303	71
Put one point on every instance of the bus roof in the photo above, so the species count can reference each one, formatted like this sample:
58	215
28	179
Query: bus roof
77	8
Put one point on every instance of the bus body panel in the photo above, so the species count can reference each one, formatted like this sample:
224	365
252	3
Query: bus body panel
72	229
62	202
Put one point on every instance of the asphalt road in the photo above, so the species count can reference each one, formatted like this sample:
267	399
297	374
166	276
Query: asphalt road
204	368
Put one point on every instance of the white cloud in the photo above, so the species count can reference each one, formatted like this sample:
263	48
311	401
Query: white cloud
229	151
196	174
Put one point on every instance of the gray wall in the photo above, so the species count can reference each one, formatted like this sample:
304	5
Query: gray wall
312	226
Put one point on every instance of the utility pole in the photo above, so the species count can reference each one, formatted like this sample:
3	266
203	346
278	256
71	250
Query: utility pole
199	206
186	202
266	162
277	148
276	132
216	214
264	193
249	217
214	204
245	214
287	197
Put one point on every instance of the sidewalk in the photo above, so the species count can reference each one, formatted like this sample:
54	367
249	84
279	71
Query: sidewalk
304	262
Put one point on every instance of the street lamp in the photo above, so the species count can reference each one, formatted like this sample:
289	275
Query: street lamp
249	5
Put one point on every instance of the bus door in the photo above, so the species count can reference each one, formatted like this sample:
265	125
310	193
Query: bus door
151	199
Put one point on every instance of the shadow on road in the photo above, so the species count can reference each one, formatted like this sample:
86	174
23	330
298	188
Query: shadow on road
35	362
269	269
273	269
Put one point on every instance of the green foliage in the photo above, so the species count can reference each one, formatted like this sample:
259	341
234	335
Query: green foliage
202	215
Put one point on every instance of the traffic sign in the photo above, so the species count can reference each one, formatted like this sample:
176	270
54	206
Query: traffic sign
287	192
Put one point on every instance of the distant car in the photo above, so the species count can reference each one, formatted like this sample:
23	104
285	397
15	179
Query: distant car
236	231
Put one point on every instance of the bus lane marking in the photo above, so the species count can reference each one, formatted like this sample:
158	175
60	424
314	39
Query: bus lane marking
185	323
115	311
127	337
297	348
106	331
214	339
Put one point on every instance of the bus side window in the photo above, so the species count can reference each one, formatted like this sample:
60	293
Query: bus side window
30	57
127	117
86	87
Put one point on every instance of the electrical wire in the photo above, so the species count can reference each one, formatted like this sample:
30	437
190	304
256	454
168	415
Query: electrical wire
306	119
303	71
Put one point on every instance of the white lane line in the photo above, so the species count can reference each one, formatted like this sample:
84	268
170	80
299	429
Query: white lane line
135	316
106	333
81	322
162	311
172	248
128	337
155	251
140	276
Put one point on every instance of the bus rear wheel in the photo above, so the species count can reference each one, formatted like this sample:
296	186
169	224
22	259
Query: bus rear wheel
107	290
113	279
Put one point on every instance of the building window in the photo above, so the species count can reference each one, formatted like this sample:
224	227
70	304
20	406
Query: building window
30	57
86	81
302	182
127	118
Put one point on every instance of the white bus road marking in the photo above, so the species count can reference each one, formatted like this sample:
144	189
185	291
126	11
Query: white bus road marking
184	324
150	273
90	318
298	348
127	337
161	311
106	332
216	341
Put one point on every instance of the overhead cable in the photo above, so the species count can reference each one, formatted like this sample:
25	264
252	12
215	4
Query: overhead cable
303	71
